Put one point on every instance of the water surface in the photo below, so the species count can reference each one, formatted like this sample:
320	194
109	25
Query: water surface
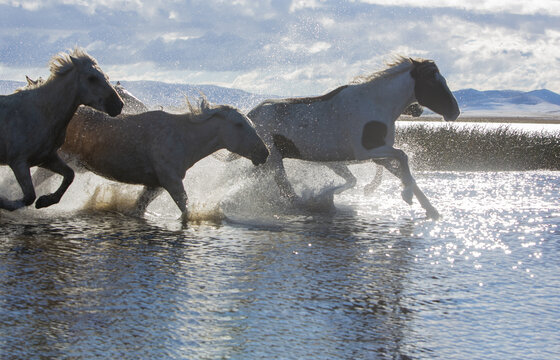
369	278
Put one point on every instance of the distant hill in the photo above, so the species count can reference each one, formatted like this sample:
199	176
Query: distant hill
8	86
508	102
155	94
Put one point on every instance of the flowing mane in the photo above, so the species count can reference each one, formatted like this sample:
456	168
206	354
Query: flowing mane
203	110
399	65
62	63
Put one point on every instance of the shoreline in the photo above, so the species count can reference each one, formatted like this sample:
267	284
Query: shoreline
488	119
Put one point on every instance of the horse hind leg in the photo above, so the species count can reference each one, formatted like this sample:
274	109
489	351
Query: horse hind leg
376	181
55	164
410	186
146	197
23	177
345	173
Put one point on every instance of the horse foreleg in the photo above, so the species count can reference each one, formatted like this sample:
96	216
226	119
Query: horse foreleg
342	170
146	197
274	163
374	184
410	187
179	196
56	165
23	177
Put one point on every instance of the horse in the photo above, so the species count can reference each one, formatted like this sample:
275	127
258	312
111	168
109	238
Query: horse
354	122
132	105
156	148
340	169
33	122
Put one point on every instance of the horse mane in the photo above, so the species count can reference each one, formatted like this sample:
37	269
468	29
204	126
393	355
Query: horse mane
311	99
397	66
202	111
62	63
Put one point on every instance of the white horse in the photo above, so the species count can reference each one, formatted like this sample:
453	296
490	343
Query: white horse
342	170
33	121
132	105
156	148
355	122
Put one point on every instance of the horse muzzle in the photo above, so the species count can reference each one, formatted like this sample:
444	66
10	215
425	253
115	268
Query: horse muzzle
113	105
259	155
453	116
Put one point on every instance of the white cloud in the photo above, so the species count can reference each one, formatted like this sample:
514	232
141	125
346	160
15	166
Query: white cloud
523	7
296	47
305	4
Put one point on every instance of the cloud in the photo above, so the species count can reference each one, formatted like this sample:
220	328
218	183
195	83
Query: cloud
521	7
294	47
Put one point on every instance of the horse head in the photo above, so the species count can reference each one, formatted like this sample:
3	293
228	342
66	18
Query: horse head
132	105
430	89
237	132
94	88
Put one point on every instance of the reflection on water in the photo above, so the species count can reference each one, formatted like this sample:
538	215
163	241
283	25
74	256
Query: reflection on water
371	279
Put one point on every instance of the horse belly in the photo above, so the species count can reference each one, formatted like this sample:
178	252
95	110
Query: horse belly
313	148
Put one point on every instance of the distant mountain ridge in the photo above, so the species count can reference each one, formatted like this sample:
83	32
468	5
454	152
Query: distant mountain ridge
472	102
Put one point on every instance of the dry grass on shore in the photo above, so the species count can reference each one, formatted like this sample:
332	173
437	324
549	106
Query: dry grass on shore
477	148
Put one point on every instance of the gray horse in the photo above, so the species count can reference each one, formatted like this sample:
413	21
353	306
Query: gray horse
33	122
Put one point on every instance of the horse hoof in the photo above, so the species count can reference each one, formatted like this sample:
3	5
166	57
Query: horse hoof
45	201
407	195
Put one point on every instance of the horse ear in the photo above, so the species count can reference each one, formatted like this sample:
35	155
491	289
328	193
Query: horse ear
414	71
204	104
29	81
75	60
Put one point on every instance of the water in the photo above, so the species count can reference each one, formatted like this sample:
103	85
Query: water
367	278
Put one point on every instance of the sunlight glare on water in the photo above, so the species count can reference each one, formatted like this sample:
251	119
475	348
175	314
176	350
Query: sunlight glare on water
364	277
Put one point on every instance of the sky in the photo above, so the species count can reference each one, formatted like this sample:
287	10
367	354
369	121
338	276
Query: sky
291	47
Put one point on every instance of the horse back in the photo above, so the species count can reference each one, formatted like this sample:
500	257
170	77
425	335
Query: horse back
304	128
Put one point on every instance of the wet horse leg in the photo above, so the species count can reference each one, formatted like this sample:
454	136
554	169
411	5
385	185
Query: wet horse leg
146	197
55	164
274	163
179	196
23	176
410	187
374	184
42	174
342	170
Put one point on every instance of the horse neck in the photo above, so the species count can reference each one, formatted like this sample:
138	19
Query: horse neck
395	92
204	138
59	98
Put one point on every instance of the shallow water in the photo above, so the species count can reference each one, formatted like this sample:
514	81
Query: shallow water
368	278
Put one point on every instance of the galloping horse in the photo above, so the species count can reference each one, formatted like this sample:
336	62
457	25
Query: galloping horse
340	169
132	105
33	121
156	148
355	122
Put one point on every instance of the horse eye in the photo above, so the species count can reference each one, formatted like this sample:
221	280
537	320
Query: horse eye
238	125
93	79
